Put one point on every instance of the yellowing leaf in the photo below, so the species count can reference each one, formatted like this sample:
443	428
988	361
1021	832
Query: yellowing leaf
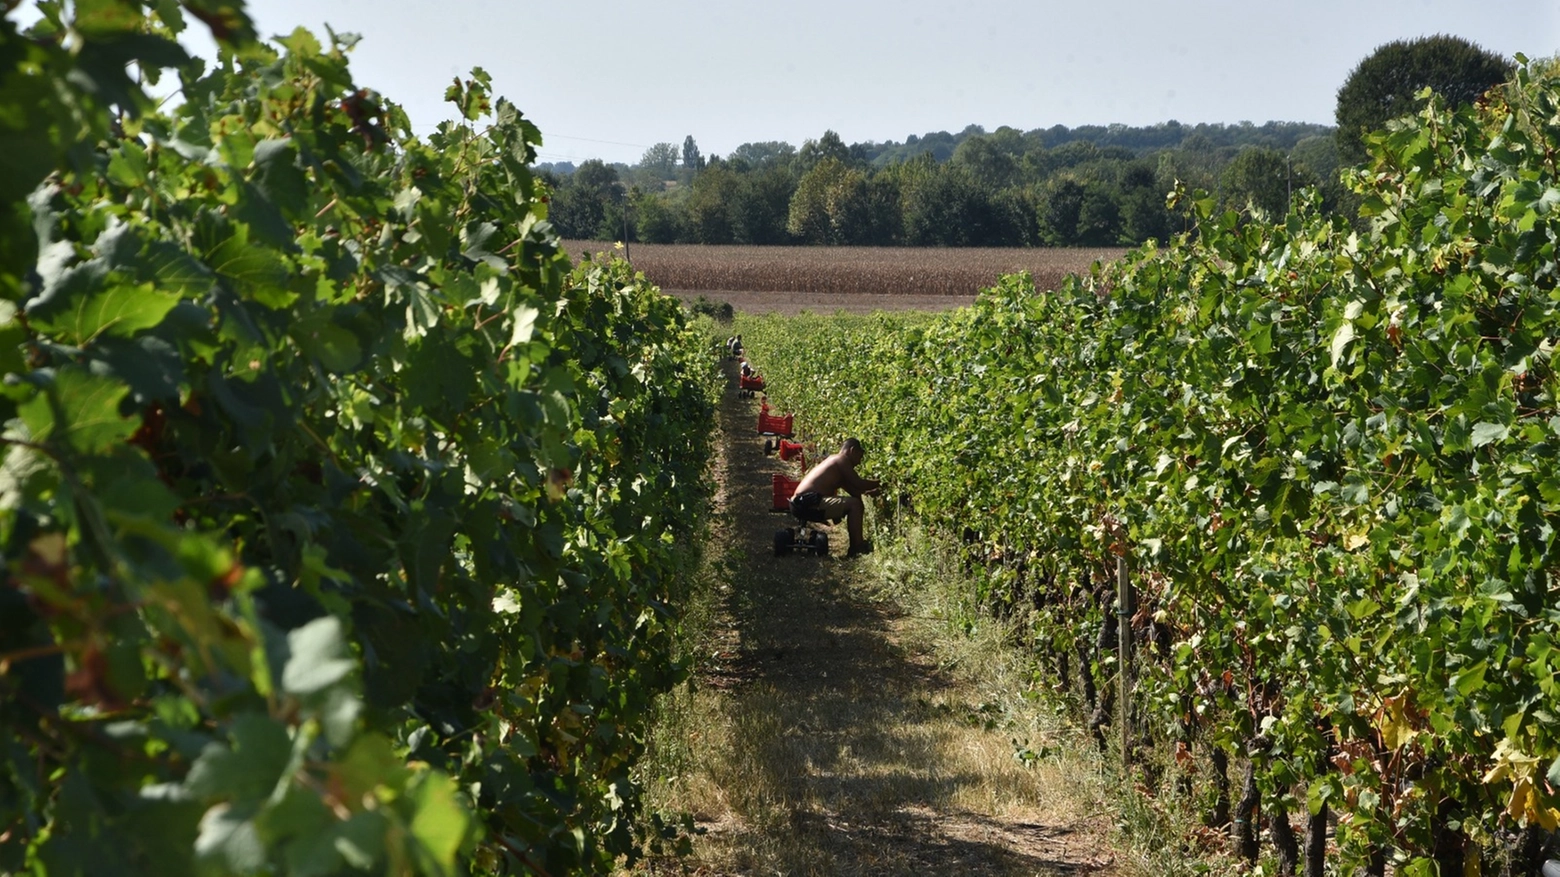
1521	799
1394	723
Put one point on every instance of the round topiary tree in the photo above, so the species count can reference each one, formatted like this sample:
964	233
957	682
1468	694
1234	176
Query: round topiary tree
1383	85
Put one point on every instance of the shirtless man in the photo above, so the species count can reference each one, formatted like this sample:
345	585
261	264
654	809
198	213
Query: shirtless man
827	479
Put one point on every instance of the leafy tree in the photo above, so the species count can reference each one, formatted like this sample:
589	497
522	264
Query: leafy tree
711	218
993	163
579	205
763	205
808	219
1383	86
1192	168
1061	203
658	220
831	205
761	155
828	146
952	209
885	211
1259	181
1128	172
1099	215
691	158
660	160
599	178
908	178
940	144
1317	157
1143	212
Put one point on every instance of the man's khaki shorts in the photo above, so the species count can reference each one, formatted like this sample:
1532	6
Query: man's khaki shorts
834	507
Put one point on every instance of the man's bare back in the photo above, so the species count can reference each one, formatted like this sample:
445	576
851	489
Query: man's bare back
837	471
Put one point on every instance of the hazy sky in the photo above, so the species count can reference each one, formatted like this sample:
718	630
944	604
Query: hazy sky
608	78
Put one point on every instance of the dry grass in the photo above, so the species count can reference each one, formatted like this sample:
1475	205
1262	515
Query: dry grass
925	272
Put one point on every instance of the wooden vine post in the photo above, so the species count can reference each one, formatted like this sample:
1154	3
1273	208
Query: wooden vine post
1124	638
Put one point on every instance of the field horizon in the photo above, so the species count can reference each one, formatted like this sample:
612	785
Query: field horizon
927	273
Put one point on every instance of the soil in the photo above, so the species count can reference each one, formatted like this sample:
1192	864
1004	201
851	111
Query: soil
840	717
789	304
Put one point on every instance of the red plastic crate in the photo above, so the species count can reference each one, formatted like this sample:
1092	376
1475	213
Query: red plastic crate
753	384
784	487
774	424
790	450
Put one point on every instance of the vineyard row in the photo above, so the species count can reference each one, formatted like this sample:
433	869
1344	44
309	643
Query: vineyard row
1328	453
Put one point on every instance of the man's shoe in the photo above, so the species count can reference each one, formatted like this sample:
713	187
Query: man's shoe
862	548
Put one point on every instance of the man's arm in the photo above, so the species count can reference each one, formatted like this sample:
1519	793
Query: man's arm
861	486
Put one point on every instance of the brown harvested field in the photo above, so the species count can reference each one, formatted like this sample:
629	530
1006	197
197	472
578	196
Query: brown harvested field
856	279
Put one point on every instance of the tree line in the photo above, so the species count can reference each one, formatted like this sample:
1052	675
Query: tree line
1088	186
1092	185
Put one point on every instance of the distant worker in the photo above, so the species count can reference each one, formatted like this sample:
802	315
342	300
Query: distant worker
734	345
819	489
747	370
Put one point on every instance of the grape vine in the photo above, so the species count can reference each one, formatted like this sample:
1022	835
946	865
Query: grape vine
1330	455
343	521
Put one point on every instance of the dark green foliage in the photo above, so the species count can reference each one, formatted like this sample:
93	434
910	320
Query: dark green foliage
1099	216
951	209
582	204
1260	182
1317	158
1385	85
1006	187
710	210
1143	213
721	311
656	222
692	159
829	146
342	519
1061	204
763	205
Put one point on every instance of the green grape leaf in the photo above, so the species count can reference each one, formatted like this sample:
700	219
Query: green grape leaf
1340	342
422	311
247	770
229	840
90	406
477	240
525	317
177	271
257	272
441	823
358	842
338	349
278	177
151	367
318	657
1488	433
106	18
119	310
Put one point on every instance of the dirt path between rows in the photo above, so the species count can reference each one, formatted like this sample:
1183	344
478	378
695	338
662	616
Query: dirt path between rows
836	740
